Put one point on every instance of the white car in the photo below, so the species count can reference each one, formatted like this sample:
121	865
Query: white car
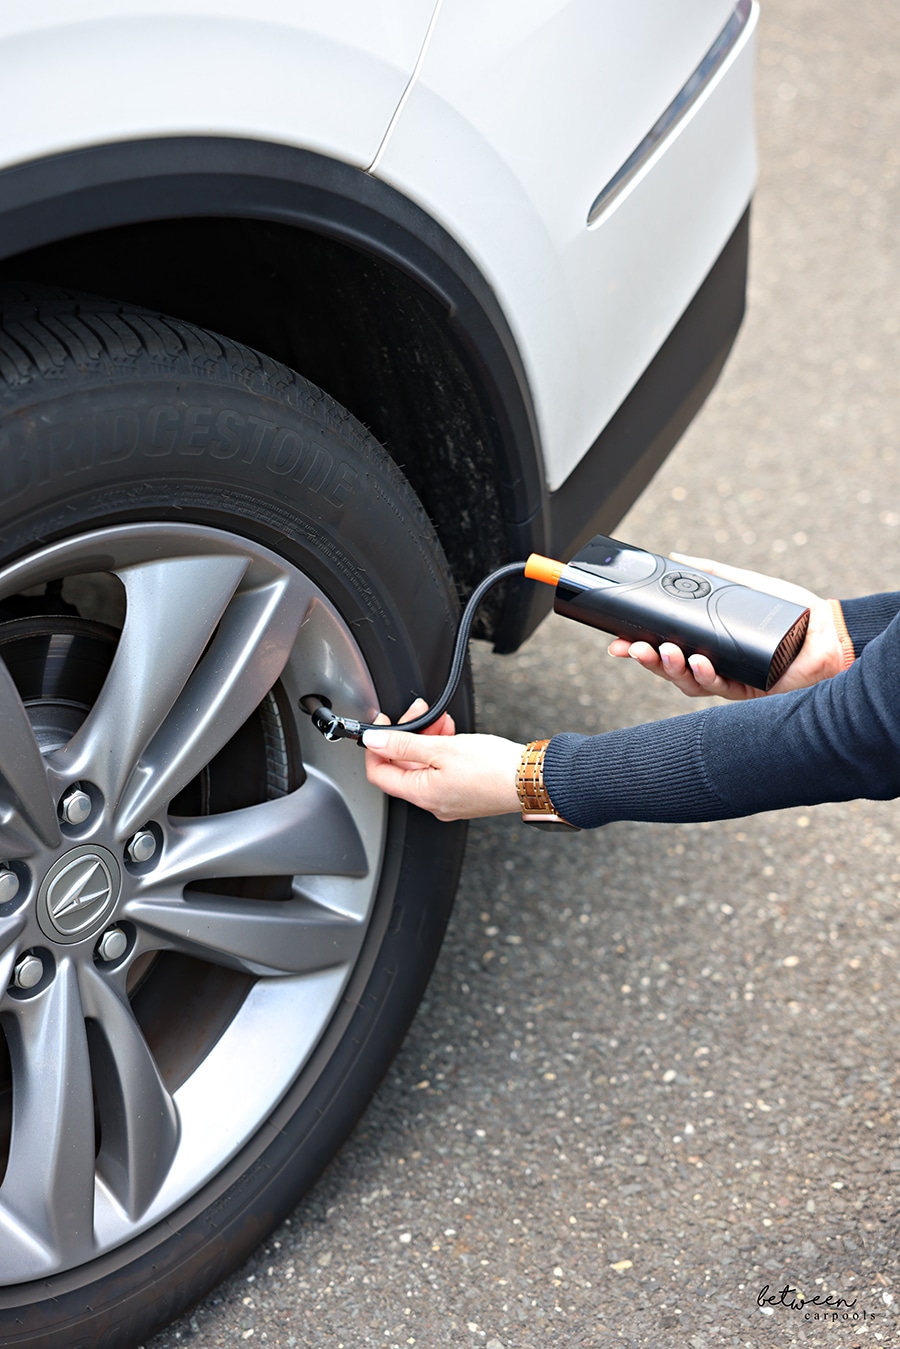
509	242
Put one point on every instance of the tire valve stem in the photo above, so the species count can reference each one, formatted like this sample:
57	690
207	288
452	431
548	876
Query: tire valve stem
329	723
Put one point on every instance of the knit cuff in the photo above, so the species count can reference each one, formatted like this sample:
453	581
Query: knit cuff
848	655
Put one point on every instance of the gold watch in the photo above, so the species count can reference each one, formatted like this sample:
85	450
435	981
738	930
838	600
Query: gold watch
537	808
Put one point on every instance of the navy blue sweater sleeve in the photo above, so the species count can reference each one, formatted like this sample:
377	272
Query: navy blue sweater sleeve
836	741
868	616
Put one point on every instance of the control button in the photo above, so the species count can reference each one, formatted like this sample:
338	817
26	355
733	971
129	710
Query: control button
685	586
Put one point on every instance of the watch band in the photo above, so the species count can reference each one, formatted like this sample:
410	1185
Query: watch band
537	808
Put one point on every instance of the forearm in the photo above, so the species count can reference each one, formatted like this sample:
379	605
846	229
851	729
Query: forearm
835	741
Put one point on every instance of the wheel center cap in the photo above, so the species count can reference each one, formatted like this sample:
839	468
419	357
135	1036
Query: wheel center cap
78	894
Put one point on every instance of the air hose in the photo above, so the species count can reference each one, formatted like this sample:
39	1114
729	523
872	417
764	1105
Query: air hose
335	727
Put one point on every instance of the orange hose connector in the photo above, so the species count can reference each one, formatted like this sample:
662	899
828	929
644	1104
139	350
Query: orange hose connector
539	568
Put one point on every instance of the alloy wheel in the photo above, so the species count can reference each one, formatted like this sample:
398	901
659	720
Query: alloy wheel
188	871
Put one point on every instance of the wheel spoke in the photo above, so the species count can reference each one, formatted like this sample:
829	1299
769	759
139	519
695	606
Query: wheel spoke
27	808
309	832
49	1184
10	928
173	607
11	924
267	937
139	1126
243	661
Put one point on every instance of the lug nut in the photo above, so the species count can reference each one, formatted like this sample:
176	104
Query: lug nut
9	885
28	972
141	846
113	944
75	806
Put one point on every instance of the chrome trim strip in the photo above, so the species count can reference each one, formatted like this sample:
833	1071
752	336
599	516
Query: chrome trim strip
675	112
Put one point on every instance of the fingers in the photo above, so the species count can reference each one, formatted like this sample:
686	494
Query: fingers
649	658
642	652
417	708
398	763
728	573
445	725
667	663
681	671
708	683
695	677
383	720
620	647
392	762
707	564
402	747
402	779
756	580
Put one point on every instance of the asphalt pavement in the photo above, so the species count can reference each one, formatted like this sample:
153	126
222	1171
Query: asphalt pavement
656	1068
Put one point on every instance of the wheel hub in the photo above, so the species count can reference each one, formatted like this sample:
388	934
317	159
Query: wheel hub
78	894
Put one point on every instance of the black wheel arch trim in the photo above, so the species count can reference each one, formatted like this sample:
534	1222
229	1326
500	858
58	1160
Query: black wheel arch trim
99	187
131	182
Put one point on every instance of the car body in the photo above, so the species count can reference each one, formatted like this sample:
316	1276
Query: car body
459	145
511	241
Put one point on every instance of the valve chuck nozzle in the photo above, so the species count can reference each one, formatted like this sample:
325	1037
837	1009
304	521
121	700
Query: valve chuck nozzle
540	568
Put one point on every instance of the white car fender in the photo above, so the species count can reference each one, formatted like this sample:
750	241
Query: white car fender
508	144
327	77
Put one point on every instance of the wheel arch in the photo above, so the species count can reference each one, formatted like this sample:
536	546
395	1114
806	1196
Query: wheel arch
305	257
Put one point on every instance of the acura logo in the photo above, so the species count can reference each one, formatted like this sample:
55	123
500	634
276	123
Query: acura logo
78	891
78	894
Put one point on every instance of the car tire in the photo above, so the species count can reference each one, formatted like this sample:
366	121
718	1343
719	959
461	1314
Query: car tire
192	538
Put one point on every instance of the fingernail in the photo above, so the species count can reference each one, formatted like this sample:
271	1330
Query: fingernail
375	739
666	657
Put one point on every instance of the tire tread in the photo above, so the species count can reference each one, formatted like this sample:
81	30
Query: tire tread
60	335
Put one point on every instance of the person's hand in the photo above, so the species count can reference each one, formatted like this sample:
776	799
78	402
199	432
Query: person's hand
456	777
819	658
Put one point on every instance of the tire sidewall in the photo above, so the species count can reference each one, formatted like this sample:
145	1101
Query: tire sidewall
272	459
287	467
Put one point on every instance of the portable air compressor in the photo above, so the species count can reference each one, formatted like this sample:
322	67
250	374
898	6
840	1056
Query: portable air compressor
748	635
